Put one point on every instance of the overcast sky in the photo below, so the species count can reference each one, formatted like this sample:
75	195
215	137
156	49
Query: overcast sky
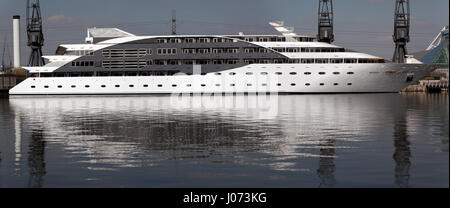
362	25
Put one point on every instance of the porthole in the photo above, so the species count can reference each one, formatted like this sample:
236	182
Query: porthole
160	85
174	85
322	84
349	84
321	73
103	86
33	86
279	84
73	86
59	86
307	84
336	73
335	84
203	85
145	85
307	73
46	86
131	85
293	84
117	86
350	73
293	73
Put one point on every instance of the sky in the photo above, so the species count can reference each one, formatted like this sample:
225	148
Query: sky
361	25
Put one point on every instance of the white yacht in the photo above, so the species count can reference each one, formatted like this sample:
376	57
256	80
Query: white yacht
112	61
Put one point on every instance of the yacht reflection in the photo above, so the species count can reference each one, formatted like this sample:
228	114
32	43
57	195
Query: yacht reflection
36	159
143	131
402	152
326	165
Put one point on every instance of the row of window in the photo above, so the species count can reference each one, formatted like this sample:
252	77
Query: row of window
308	50
144	63
83	63
193	40
163	73
125	53
190	85
80	53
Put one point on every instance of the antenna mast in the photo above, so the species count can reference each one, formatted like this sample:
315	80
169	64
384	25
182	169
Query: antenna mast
35	34
326	33
174	22
401	30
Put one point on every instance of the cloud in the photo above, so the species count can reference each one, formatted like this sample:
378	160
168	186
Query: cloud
60	18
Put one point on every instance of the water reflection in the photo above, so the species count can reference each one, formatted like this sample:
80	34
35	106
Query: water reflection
326	165
36	159
402	152
307	134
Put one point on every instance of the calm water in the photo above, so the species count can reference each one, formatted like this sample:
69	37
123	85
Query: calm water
373	140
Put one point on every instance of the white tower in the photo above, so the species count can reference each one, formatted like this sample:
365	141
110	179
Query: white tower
16	41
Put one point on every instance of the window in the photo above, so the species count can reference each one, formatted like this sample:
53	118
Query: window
307	73
218	73
321	73
249	85
279	84
232	85
46	86
350	61
73	86
350	73
321	61
307	61
232	73
131	85
160	85
203	85
293	84
87	86
188	85
33	86
167	51
336	73
203	50
145	85
264	84
103	86
174	85
217	85
307	84
264	73
249	73
322	84
190	40
293	73
117	85
349	84
278	73
336	84
336	61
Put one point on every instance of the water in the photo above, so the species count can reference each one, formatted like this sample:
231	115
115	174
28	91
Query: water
357	140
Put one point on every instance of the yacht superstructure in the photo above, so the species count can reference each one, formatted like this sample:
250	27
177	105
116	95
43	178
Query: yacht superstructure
112	61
